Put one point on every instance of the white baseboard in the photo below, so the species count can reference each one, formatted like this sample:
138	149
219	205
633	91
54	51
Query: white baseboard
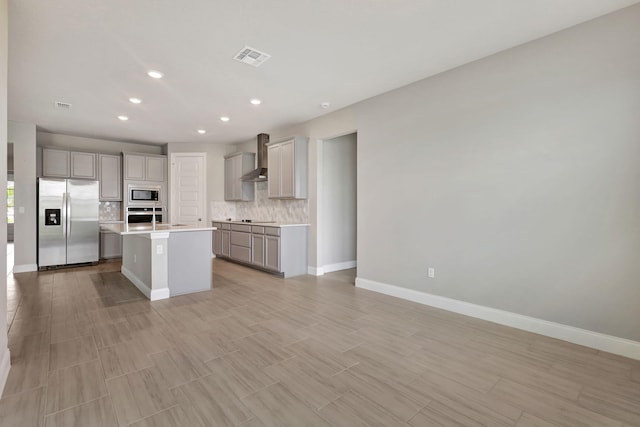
5	366
136	281
152	294
608	343
319	271
339	266
157	294
25	268
315	271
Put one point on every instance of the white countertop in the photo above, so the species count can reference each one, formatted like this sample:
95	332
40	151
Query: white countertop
147	227
261	224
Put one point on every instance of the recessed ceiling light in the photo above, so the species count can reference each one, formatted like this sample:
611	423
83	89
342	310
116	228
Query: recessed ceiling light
123	118
135	100
256	101
155	74
325	105
224	118
202	131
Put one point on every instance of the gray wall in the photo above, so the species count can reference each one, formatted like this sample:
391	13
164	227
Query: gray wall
23	137
339	199
517	177
142	248
4	37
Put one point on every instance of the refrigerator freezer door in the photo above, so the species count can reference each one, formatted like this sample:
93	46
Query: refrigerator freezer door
52	249
83	228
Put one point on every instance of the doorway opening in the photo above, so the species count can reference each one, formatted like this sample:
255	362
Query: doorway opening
339	206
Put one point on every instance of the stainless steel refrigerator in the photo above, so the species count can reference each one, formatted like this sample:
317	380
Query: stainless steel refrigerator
68	224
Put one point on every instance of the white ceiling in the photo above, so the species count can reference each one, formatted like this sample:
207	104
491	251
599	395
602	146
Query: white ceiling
95	54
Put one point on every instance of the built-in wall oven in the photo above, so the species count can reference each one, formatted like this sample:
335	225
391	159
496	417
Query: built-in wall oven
144	195
138	214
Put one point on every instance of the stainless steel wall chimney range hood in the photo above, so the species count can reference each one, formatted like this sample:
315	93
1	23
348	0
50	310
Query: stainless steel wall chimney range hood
259	174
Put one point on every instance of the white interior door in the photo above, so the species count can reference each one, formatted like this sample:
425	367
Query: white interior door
188	188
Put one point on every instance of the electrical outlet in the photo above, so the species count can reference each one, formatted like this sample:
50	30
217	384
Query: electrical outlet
159	249
432	272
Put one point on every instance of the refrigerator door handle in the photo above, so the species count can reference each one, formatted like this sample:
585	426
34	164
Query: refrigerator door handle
64	214
69	212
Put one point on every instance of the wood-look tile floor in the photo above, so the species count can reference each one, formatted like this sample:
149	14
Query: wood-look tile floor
89	350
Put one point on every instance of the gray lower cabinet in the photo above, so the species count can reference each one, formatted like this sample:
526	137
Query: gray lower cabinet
257	250
110	245
240	244
217	242
222	239
272	252
226	243
278	249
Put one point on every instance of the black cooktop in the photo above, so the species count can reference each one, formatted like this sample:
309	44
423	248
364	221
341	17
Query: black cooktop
248	220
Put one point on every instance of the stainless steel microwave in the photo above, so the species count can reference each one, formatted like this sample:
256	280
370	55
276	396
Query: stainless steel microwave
144	194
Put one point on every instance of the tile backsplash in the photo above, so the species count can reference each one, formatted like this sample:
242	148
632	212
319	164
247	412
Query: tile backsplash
263	208
222	210
110	211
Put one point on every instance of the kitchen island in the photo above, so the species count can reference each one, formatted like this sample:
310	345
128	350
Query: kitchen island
166	260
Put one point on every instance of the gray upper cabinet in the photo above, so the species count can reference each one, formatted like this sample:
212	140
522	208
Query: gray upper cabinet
156	168
273	186
140	167
134	167
236	165
288	169
68	164
110	176
83	165
56	163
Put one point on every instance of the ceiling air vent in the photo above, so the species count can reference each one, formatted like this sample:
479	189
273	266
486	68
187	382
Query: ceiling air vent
62	106
250	56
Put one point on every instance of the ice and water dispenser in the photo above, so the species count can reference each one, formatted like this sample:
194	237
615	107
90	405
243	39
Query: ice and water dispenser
52	217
